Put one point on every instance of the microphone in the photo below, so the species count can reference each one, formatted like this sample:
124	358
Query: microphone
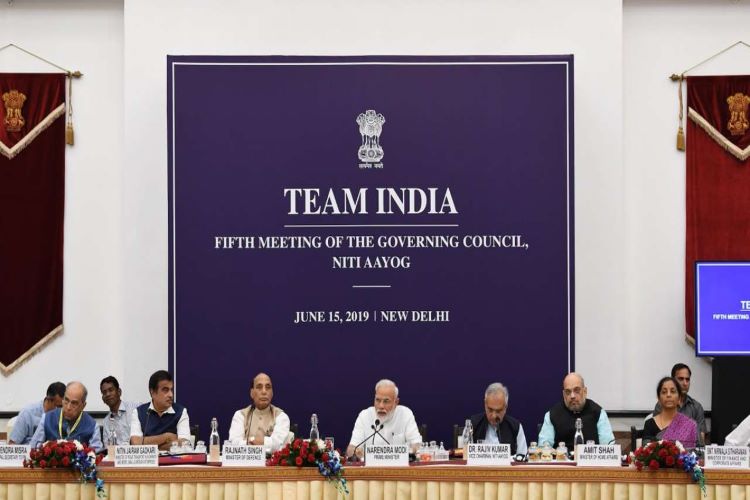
376	428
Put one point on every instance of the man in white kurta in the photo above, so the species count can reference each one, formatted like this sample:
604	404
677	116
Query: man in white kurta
261	423
395	423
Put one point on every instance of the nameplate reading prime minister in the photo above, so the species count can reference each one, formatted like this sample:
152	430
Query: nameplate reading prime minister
488	454
387	455
145	455
598	455
727	457
243	455
13	455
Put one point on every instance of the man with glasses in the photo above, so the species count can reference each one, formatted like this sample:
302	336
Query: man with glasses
69	422
559	422
494	425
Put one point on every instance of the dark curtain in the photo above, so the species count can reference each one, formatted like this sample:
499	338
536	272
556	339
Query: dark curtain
718	182
32	197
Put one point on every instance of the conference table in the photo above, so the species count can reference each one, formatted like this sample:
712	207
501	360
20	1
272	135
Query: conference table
439	481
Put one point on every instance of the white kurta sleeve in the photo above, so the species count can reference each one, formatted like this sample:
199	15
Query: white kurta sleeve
280	432
237	428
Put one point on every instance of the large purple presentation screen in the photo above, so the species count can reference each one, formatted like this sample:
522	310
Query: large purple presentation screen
722	308
338	220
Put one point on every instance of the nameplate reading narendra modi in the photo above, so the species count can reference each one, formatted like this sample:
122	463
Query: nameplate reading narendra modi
243	455
387	455
488	454
145	455
727	457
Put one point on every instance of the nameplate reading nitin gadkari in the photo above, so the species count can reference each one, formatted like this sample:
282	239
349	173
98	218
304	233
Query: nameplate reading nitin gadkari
598	455
13	455
387	455
727	457
242	455
488	454
145	455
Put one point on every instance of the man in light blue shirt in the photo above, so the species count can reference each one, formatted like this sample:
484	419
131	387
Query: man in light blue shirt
559	422
28	419
117	421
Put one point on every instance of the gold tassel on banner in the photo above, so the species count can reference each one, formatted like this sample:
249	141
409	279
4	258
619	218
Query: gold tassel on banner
674	77
69	135
680	131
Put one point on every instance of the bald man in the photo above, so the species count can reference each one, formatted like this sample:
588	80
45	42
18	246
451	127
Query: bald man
559	422
261	423
69	422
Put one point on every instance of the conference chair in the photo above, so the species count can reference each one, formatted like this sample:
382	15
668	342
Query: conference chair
635	435
423	433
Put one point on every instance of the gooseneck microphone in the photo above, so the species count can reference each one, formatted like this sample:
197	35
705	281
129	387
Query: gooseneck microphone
376	428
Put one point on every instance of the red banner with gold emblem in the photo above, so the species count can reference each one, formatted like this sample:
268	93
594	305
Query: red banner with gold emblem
718	176
32	199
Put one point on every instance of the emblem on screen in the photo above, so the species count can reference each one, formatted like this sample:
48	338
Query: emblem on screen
370	153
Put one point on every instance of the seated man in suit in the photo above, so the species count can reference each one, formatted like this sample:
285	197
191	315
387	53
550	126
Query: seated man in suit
261	423
494	425
69	422
162	420
395	423
28	419
559	422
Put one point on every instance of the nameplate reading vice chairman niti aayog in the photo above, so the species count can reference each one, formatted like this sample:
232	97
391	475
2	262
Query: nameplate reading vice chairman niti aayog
386	455
488	454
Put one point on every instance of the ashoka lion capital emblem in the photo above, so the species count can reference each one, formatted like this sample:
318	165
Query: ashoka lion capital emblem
738	122
13	103
370	127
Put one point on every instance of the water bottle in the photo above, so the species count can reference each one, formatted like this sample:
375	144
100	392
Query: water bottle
112	437
578	438
314	434
213	448
468	437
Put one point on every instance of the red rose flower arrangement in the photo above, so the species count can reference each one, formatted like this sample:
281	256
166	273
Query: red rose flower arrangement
71	455
668	455
306	453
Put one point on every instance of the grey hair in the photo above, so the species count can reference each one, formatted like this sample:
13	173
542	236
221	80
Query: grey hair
83	388
386	383
494	388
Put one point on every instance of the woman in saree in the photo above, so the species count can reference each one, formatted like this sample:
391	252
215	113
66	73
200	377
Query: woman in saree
670	424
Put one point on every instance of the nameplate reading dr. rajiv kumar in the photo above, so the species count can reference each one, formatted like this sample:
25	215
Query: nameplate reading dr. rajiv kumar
242	455
145	455
488	454
387	455
13	455
598	455
727	457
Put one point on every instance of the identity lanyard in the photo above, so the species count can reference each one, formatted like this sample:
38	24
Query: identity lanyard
72	429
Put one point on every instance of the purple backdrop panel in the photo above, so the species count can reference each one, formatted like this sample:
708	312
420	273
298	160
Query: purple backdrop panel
334	221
